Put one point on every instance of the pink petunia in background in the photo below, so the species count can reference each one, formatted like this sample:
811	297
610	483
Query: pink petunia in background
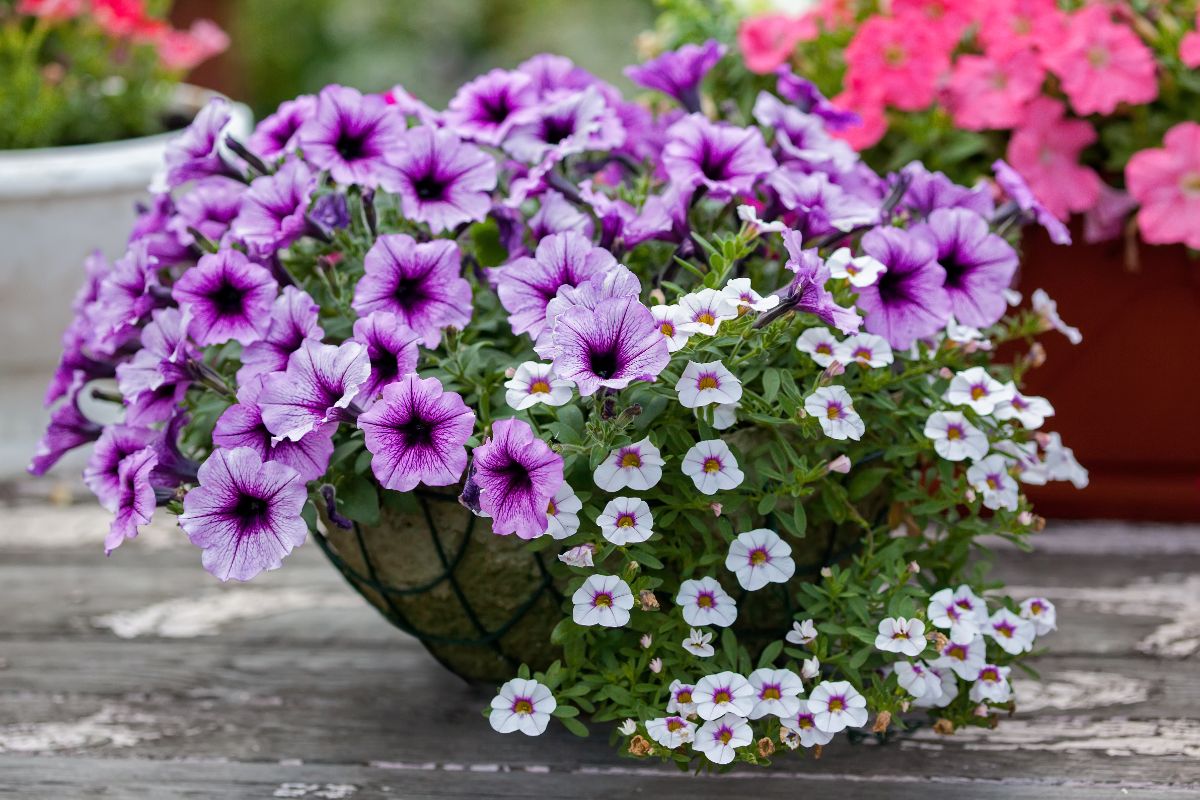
1045	149
768	41
901	56
1102	63
1166	181
986	93
1189	47
1011	26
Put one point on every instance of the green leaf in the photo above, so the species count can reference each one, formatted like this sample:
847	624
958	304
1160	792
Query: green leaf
566	712
574	726
799	520
359	500
770	653
865	482
771	384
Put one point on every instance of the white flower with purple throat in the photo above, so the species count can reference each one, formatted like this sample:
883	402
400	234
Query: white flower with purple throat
834	410
820	344
704	602
635	466
776	693
977	390
626	520
866	350
535	383
720	738
760	557
954	438
900	635
705	384
723	693
836	705
522	705
711	466
603	600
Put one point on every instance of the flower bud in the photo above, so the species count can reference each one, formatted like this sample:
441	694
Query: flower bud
656	665
841	464
646	641
648	600
882	720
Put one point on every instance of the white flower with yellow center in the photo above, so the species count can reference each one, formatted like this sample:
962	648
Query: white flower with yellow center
1014	634
776	692
1041	613
626	520
671	732
535	383
862	270
706	384
964	659
836	705
720	738
954	438
992	685
699	644
960	611
990	477
917	679
711	466
702	602
635	466
522	705
723	693
900	635
669	319
1030	411
740	293
866	350
603	600
833	409
760	557
977	390
820	344
801	729
562	513
704	311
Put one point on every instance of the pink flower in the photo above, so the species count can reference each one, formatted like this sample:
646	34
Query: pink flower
946	19
986	93
1045	149
1014	25
1106	220
50	9
900	55
185	50
1166	181
768	41
1189	47
868	105
1102	64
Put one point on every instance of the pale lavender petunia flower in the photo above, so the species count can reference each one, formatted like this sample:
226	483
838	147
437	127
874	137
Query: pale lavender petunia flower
564	124
928	191
241	425
392	350
420	283
678	73
245	514
609	346
68	429
209	207
805	95
818	205
517	475
441	180
294	318
228	297
552	73
124	300
807	292
1019	192
135	497
979	265
102	472
417	433
195	153
528	284
485	109
277	133
618	281
154	227
273	210
557	214
802	137
163	358
319	384
350	135
908	301
724	159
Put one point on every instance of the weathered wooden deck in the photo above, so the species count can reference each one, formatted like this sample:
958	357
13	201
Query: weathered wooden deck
140	677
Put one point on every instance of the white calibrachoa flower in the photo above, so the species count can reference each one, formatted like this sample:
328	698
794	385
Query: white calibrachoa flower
719	739
603	600
562	515
943	693
977	390
866	350
959	611
699	644
1047	309
1041	613
580	556
900	635
1060	464
992	685
522	705
705	384
681	701
776	692
861	270
704	311
671	732
954	438
989	476
739	292
759	557
626	520
669	319
724	415
802	633
749	215
820	344
1031	411
810	668
535	383
635	466
1014	634
836	705
627	728
723	693
711	466
704	602
833	409
804	727
965	334
965	659
917	679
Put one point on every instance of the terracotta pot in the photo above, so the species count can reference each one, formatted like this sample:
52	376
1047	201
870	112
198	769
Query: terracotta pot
1127	398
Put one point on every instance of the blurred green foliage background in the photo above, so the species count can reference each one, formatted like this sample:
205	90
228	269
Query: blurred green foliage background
282	48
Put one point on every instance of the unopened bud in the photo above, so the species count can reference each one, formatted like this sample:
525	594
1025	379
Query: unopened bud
826	572
658	297
646	641
716	509
508	373
656	665
943	726
882	720
946	373
841	464
834	369
648	600
914	568
1036	356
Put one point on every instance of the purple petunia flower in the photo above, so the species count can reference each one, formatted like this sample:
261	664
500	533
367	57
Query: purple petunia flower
101	474
68	429
209	207
610	346
805	95
979	264
245	514
228	296
164	355
124	299
75	366
441	181
329	213
517	475
195	153
807	292
564	124
273	210
678	73
320	381
135	497
241	425
277	133
818	205
392	350
928	191
557	214
294	318
417	433
154	227
350	134
1019	192
617	282
724	159
419	283
803	137
527	284
485	108
552	73
908	301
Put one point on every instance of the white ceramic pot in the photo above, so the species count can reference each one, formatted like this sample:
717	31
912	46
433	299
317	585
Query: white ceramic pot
57	205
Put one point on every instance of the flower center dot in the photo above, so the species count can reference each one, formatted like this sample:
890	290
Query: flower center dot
770	693
837	704
602	600
626	521
705	601
707	382
725	735
674	724
631	460
706	318
953	433
667	329
540	386
523	706
758	556
712	465
722	696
